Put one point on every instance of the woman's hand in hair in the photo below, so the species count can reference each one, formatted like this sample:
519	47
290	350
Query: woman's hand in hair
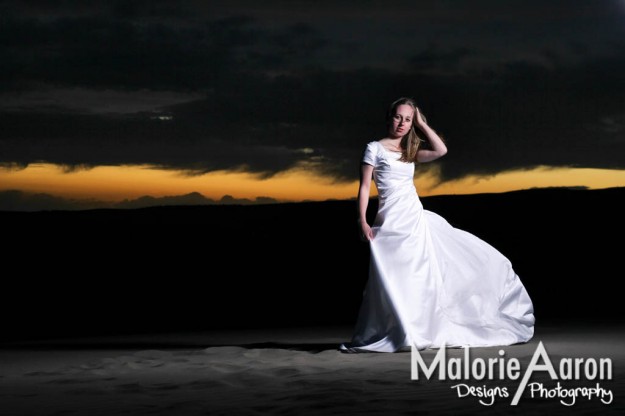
418	118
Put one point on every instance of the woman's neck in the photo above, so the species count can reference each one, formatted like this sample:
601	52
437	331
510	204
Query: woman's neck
393	143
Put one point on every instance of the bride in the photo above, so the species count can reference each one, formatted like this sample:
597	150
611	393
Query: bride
430	284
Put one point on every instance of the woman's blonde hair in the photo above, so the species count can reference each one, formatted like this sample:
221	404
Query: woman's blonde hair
412	140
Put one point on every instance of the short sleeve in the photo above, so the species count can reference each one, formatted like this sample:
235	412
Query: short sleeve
370	155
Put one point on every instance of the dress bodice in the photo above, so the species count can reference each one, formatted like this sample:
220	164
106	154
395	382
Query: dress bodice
391	176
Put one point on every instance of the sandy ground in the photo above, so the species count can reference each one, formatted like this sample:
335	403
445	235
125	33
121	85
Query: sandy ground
282	372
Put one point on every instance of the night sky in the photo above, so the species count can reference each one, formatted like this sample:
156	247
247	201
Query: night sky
188	101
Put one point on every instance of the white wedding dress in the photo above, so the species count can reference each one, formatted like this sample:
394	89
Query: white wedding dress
429	283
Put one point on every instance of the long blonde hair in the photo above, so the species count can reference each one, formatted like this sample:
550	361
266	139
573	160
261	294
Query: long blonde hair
412	140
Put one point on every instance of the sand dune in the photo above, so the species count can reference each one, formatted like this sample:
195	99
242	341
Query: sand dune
268	372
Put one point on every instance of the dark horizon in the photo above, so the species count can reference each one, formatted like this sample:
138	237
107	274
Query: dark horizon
18	201
183	268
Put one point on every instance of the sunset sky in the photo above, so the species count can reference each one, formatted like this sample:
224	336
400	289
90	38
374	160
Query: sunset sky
146	102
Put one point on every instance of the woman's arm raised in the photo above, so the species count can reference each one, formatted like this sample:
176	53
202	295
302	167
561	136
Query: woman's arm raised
438	146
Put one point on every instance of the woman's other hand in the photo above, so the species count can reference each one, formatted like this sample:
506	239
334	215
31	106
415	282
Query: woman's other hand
366	234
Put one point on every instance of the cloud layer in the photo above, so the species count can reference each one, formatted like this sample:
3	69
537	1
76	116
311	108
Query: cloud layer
201	87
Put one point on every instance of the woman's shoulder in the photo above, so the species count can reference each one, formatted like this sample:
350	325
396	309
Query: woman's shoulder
374	143
372	152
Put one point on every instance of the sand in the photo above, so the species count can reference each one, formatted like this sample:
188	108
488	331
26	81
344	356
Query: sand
268	371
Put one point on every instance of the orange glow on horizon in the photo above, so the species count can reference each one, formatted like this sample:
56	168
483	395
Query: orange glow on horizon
538	177
115	183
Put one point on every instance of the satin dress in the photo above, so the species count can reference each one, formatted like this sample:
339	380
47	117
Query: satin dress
431	284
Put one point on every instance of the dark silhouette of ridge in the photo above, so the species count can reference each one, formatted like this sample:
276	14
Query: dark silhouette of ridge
116	271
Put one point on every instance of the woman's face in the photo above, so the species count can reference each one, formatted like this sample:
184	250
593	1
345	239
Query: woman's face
401	121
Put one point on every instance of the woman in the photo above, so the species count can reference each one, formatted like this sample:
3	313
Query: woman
430	284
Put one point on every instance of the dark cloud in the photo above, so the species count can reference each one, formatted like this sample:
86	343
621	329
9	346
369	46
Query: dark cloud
436	59
104	51
202	86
